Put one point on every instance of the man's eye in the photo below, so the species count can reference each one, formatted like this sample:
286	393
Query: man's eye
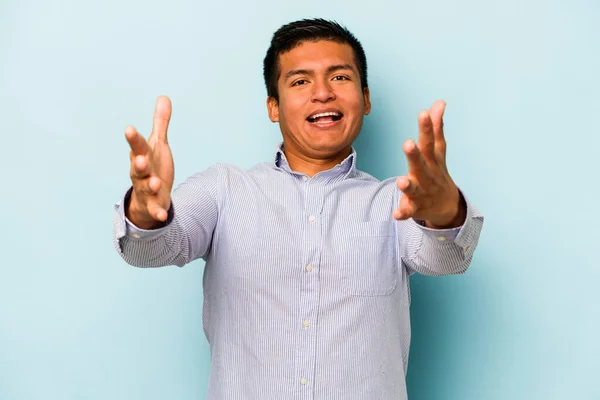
340	78
299	82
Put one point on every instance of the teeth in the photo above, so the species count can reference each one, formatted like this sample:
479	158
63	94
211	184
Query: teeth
325	114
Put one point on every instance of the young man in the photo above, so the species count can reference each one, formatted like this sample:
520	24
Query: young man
307	258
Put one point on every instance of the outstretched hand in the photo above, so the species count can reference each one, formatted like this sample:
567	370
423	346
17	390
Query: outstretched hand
428	191
152	170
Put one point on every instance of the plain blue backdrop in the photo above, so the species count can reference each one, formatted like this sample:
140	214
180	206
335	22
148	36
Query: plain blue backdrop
522	85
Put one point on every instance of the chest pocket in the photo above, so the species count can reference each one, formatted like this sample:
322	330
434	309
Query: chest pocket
367	258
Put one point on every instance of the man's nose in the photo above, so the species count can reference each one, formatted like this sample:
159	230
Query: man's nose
322	91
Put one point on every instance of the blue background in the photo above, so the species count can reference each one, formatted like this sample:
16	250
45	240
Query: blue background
522	84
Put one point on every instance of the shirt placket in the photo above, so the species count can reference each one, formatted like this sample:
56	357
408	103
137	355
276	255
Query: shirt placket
309	290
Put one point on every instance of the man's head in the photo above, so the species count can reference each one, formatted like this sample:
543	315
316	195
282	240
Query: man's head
314	67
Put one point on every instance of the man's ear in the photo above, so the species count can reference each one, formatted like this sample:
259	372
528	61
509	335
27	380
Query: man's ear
273	109
367	100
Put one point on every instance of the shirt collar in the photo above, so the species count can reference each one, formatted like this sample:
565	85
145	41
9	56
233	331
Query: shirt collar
346	168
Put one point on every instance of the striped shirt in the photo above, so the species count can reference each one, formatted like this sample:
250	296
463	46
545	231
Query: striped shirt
306	281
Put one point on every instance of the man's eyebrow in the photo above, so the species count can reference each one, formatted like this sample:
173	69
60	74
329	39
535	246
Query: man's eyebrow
338	67
295	72
331	69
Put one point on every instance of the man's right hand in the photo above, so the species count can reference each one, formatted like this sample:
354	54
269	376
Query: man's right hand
152	171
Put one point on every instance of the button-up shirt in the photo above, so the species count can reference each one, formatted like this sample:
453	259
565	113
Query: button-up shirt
306	281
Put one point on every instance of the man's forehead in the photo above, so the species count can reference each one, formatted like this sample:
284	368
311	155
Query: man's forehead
319	55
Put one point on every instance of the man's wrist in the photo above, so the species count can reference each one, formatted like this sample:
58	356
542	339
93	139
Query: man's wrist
457	217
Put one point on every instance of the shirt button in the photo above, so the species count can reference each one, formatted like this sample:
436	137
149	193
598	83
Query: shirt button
305	178
441	238
308	268
303	381
311	218
468	249
135	235
306	323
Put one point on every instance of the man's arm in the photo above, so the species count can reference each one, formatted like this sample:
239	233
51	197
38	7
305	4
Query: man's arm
185	236
151	226
438	229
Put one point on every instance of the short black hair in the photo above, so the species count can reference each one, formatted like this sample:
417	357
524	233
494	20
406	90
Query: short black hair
293	34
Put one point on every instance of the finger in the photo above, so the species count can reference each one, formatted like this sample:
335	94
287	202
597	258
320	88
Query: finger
140	167
436	113
154	184
437	118
162	116
416	163
407	186
426	140
136	141
406	210
147	187
156	211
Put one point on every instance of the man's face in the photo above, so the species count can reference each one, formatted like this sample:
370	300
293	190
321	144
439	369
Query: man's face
321	103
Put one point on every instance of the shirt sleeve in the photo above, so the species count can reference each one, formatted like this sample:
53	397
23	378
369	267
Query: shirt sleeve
188	233
440	251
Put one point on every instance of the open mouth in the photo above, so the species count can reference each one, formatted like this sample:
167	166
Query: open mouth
325	117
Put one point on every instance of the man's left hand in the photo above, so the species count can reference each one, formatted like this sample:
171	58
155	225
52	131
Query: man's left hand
428	191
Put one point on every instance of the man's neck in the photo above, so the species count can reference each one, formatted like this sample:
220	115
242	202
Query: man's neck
310	166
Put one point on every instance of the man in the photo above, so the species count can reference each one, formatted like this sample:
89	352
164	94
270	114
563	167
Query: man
307	258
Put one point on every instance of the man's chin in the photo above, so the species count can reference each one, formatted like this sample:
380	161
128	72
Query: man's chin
326	150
